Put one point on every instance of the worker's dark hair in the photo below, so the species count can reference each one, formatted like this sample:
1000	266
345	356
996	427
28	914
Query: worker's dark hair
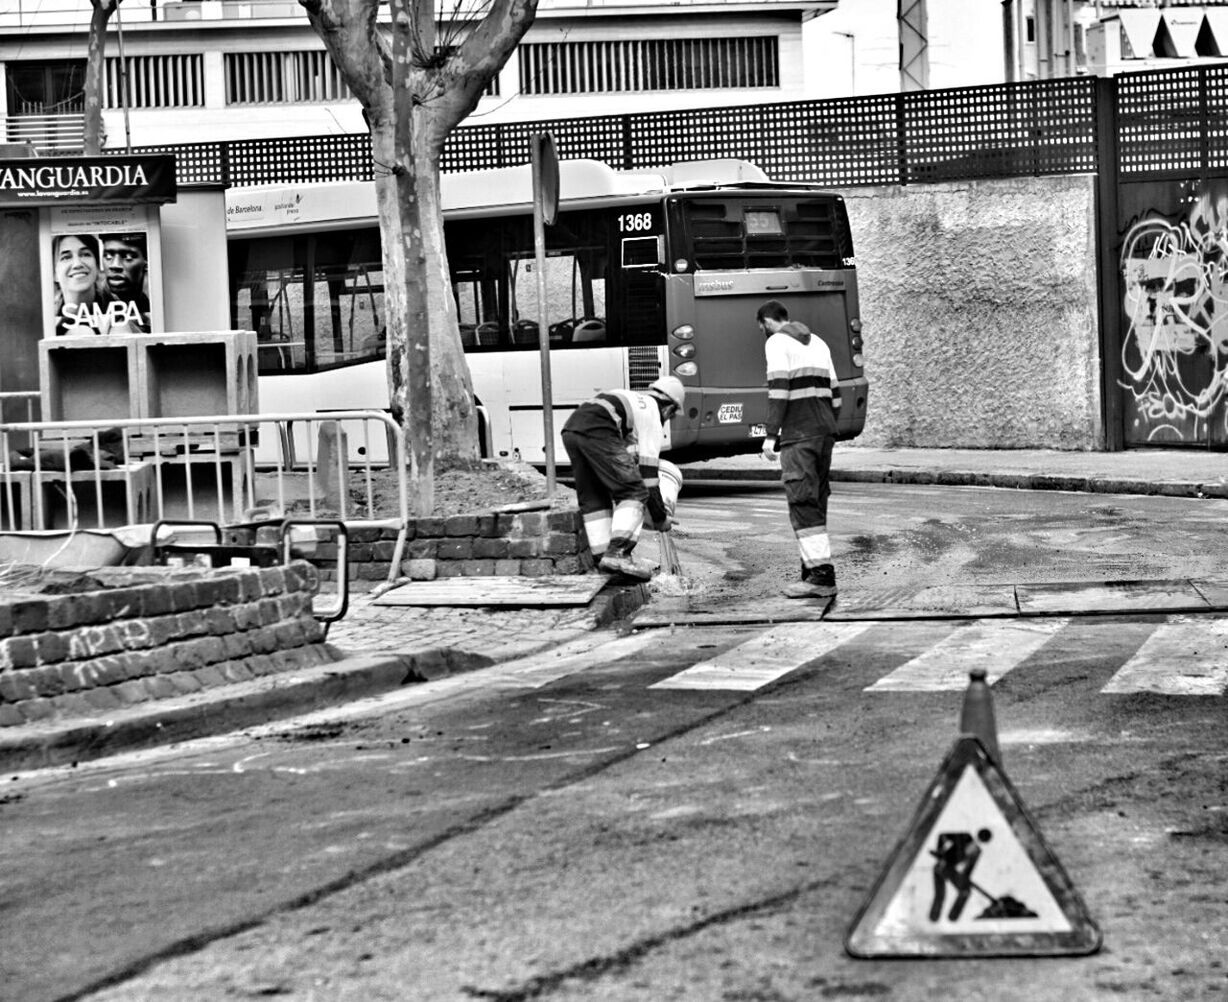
772	310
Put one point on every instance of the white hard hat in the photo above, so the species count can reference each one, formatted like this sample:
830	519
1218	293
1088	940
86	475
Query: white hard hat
670	387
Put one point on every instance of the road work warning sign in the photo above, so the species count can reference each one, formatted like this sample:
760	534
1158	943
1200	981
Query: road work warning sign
972	878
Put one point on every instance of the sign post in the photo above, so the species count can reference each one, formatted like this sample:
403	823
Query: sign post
545	209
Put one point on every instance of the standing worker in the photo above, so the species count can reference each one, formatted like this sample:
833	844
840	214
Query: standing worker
614	444
801	430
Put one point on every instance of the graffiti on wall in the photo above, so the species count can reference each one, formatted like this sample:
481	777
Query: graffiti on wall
1175	349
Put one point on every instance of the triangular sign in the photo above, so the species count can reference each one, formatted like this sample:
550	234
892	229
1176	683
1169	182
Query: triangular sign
972	878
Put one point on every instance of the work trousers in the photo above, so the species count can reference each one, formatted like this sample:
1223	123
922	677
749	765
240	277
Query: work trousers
609	490
805	470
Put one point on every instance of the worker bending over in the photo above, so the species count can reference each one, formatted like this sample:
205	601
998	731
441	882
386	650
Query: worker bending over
614	444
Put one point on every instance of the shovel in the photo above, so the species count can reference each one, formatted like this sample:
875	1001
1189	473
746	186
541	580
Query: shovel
669	554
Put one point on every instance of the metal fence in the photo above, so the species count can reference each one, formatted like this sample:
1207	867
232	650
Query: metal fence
1000	130
164	478
1164	122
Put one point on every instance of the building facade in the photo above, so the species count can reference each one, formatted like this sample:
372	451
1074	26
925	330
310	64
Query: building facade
184	71
1048	39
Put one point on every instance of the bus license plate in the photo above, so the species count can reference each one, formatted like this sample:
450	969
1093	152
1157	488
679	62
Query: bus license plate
758	431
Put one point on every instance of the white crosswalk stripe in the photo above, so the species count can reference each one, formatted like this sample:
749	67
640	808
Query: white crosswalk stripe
765	658
1183	657
996	646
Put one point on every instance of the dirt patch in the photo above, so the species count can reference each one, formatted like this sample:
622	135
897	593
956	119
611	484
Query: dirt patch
460	488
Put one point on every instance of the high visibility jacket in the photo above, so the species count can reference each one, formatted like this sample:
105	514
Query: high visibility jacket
799	378
635	418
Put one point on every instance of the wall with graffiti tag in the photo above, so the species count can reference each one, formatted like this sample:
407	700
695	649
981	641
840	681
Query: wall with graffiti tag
1175	317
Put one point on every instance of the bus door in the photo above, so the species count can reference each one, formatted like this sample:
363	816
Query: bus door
728	354
729	347
827	303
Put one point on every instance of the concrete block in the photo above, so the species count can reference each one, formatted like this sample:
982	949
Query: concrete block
419	569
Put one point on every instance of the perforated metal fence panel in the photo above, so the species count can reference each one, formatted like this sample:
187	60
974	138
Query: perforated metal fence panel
313	158
1173	122
996	131
1168	121
487	146
999	131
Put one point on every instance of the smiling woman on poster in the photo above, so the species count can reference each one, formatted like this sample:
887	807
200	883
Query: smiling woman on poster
83	302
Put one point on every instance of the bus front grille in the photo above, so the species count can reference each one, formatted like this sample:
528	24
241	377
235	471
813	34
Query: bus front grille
643	366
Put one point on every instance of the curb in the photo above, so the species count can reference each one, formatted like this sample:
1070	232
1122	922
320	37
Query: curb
262	700
227	708
970	478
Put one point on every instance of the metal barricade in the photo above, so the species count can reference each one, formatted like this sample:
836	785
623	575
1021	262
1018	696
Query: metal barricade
70	475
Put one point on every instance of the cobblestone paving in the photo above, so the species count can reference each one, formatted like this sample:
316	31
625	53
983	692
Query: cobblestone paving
500	634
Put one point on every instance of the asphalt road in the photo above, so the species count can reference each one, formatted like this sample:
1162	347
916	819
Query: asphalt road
737	546
685	813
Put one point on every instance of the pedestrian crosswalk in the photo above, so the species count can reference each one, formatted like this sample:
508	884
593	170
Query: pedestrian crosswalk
994	645
1180	656
765	658
1178	659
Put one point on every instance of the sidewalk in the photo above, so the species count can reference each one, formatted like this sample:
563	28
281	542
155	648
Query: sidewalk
384	647
1171	472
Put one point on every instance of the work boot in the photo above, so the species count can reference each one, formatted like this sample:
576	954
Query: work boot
623	563
819	582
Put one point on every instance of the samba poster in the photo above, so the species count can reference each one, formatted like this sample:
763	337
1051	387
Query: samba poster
103	271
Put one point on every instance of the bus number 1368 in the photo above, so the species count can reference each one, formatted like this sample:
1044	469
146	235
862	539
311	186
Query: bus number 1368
635	222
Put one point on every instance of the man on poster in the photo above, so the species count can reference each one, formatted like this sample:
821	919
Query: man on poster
126	261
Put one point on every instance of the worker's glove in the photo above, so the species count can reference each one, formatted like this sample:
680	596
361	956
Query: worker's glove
667	523
769	450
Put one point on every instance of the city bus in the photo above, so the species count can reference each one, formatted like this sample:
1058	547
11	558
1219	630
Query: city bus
647	273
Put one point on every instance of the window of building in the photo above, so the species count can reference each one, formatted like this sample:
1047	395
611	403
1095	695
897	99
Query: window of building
283	77
53	87
649	64
166	81
289	78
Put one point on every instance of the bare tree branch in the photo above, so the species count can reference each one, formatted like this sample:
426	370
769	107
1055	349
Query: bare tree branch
357	45
417	79
477	61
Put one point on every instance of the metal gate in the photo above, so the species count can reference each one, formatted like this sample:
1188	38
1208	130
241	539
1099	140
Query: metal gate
1164	261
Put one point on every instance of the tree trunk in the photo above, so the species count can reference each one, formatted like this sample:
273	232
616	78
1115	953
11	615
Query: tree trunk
455	417
413	400
414	92
95	65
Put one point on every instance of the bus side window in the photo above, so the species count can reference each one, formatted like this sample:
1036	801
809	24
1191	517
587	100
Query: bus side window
475	290
569	297
465	291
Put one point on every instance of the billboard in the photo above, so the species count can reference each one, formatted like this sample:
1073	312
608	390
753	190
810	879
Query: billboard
103	271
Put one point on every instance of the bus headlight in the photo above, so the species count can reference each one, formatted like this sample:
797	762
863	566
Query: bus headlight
684	333
858	360
684	350
855	325
686	369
